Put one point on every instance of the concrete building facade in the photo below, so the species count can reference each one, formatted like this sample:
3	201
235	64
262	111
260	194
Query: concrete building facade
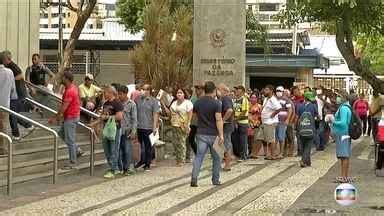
19	29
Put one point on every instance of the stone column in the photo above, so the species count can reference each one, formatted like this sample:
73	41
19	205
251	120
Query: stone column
19	29
219	41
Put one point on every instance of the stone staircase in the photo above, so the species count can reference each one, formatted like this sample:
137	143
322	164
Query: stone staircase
33	155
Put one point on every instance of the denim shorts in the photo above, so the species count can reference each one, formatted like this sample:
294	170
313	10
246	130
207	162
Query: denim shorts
281	132
343	146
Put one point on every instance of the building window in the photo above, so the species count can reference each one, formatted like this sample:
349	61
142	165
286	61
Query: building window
69	14
55	26
68	25
43	25
99	25
268	7
54	14
63	25
90	26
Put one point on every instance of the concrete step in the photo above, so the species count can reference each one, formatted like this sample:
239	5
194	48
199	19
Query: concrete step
45	164
24	178
23	155
33	142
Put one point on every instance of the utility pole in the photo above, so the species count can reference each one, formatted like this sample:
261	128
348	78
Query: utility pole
60	41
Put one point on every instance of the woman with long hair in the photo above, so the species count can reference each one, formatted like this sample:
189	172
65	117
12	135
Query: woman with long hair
181	115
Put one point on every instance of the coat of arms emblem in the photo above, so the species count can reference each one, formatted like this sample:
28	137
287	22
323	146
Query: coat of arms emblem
217	37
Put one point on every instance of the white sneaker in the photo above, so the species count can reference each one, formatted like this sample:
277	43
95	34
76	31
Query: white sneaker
18	138
30	129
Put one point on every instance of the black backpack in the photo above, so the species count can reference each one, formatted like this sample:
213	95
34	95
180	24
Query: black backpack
355	128
306	125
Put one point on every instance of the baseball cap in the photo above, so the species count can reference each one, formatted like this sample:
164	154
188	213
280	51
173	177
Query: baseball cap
280	88
309	96
240	87
89	76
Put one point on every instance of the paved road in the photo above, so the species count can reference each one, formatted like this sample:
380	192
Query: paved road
255	187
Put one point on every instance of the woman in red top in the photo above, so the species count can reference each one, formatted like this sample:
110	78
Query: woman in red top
361	108
254	124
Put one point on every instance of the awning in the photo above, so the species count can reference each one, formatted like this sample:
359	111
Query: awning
287	61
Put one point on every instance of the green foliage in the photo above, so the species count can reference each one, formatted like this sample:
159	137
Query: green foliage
256	33
371	49
131	12
164	58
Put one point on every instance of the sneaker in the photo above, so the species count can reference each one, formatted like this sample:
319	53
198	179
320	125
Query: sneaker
30	129
70	166
216	183
80	153
147	169
109	175
138	165
16	138
129	172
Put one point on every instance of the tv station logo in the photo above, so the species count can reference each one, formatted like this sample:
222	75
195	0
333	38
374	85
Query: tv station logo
346	194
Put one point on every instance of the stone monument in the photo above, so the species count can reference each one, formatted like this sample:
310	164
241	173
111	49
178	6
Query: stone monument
19	29
219	41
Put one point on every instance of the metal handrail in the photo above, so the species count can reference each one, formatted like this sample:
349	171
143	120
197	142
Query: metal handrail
55	144
10	167
58	98
91	133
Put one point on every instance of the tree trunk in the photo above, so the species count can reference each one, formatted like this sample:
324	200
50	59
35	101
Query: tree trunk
344	41
82	17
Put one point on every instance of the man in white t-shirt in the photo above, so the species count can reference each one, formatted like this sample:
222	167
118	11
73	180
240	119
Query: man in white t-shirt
269	119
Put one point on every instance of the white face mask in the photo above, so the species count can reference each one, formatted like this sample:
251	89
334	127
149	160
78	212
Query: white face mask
319	92
279	94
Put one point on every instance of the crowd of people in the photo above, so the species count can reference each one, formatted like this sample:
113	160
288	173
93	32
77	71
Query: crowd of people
246	124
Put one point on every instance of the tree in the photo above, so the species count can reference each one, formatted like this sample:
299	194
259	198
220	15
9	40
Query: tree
349	20
131	12
256	33
83	12
164	58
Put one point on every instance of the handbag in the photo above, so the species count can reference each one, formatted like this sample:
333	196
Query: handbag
110	128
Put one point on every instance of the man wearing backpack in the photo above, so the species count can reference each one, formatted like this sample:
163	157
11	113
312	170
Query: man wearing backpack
340	128
306	126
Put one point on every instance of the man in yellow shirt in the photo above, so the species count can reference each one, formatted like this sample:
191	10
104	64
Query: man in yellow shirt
89	92
240	135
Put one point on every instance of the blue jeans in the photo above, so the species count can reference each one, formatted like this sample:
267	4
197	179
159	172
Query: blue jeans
205	142
111	151
125	156
280	133
68	133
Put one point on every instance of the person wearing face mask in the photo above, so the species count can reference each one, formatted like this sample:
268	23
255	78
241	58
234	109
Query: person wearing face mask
284	116
181	115
340	129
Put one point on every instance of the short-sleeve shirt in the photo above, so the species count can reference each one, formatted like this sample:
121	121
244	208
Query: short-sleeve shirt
71	96
269	107
205	109
309	107
146	106
226	104
286	105
20	84
88	92
179	113
112	107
